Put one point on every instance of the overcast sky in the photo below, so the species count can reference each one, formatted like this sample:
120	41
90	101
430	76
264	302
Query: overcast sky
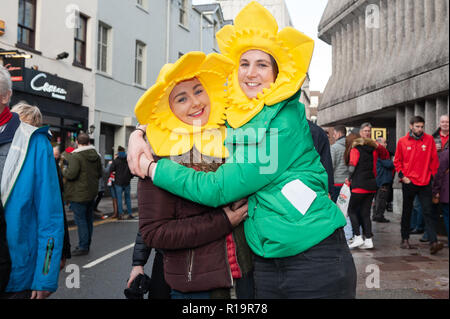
306	15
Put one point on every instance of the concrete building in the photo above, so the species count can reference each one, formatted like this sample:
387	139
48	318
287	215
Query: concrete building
390	61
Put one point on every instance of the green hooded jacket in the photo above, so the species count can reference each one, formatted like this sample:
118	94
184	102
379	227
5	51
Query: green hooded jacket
82	174
274	163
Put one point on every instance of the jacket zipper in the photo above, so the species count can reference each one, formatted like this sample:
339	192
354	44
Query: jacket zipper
48	256
191	264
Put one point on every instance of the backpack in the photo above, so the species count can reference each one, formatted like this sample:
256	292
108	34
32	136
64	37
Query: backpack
5	260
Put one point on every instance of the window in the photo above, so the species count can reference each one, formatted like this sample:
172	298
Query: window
103	47
80	41
142	3
183	12
139	64
27	23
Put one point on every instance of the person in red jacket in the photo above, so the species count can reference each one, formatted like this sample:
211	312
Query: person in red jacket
416	161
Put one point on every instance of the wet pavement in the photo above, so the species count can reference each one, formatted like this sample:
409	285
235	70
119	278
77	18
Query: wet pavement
389	272
384	272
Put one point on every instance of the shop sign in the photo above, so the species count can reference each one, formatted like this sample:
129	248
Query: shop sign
379	133
51	86
15	67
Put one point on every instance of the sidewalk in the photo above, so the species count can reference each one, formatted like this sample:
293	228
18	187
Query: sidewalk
385	272
403	274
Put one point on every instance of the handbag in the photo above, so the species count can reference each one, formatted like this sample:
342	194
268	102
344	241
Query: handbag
344	199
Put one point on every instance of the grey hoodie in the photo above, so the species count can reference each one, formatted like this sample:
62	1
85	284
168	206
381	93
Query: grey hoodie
340	170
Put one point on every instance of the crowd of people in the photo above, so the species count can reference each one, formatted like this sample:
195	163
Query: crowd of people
420	162
37	182
218	214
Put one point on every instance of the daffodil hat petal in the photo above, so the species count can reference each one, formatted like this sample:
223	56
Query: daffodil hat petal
256	29
164	129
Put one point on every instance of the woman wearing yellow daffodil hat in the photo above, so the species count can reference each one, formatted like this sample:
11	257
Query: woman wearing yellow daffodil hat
293	228
184	111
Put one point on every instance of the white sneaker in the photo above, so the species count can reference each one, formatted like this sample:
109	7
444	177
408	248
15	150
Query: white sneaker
357	241
368	244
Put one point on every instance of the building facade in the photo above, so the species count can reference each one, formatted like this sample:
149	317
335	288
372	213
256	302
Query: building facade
390	62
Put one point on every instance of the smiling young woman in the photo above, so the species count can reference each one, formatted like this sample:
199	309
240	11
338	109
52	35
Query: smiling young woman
190	103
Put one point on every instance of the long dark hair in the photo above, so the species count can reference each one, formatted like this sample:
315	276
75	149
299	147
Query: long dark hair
349	145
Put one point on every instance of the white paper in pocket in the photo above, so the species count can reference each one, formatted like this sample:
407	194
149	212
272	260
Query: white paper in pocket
299	195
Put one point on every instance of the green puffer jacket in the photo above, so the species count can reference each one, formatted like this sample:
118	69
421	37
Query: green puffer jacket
274	162
82	174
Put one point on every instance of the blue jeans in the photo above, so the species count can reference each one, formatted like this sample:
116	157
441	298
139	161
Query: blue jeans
325	271
84	219
416	217
175	294
126	190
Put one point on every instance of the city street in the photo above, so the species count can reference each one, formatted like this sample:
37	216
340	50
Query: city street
386	272
104	272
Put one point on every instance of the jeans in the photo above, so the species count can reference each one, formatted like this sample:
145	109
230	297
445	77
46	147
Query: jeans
416	216
359	213
444	210
348	229
424	193
175	294
126	190
245	286
325	271
84	219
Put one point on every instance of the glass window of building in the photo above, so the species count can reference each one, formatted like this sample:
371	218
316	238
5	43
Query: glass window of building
103	48
80	41
139	66
27	23
184	12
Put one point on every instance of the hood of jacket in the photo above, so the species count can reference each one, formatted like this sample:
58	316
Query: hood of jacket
88	152
365	141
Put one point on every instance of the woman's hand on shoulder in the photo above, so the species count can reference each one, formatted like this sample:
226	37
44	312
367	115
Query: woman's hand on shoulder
138	146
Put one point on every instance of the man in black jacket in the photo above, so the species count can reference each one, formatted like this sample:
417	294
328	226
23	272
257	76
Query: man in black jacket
122	180
322	146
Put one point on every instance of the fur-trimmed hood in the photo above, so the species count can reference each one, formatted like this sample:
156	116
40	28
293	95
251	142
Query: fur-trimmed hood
365	141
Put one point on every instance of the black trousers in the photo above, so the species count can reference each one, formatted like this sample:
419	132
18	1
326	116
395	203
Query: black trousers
325	271
381	200
425	195
359	213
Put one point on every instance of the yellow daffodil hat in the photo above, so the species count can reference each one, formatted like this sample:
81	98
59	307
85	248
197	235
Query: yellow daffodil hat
256	29
169	136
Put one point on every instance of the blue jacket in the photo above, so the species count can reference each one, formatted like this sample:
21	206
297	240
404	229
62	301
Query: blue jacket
33	211
384	172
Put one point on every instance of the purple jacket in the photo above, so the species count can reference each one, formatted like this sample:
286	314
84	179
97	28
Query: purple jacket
440	184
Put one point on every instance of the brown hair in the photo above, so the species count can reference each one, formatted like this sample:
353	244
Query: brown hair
349	145
83	139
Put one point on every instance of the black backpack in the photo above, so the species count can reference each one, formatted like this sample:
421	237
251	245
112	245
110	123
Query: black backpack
5	260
